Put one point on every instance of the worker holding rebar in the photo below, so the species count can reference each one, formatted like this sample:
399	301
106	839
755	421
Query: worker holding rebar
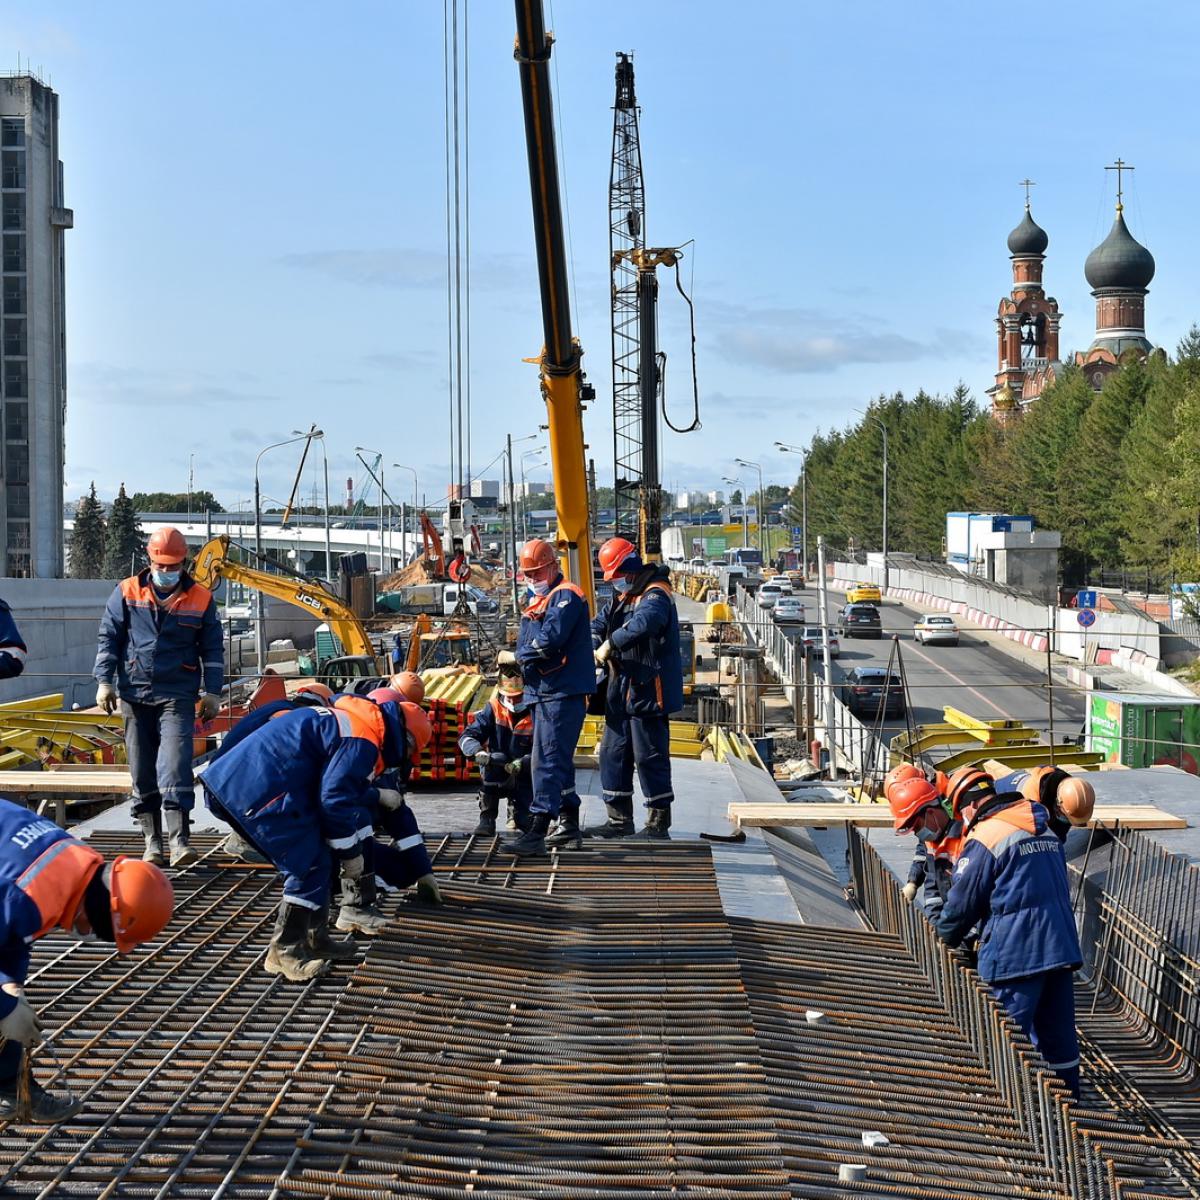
499	738
636	641
160	646
1011	880
51	881
554	651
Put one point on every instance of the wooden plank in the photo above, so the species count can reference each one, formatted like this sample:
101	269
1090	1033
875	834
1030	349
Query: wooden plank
65	783
878	816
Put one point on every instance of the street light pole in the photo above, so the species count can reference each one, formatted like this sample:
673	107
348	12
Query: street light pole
379	461
403	552
512	514
803	496
319	435
762	525
745	518
524	496
884	431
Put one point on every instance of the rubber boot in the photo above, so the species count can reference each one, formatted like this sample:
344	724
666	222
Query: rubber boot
658	821
237	847
288	954
322	945
620	819
179	826
44	1108
489	806
566	832
532	842
151	823
359	912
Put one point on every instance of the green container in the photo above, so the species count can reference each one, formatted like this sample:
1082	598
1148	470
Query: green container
1145	731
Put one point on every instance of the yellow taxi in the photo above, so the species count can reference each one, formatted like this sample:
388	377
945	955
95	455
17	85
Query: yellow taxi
864	593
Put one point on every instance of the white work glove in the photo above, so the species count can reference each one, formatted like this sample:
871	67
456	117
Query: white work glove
106	697
210	705
352	868
22	1024
514	767
506	658
390	799
602	652
482	758
909	892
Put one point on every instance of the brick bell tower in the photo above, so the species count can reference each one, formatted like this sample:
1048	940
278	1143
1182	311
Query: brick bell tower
1026	323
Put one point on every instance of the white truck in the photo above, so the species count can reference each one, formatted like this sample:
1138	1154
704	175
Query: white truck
437	599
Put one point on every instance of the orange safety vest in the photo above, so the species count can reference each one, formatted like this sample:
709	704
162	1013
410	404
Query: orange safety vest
195	600
56	880
536	608
365	721
523	726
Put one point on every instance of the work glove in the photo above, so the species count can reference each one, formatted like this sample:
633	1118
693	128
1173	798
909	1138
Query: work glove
22	1024
210	705
428	890
515	767
482	758
506	658
352	868
602	652
909	892
391	800
106	697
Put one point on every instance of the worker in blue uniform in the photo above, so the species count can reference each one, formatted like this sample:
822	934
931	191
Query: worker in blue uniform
500	740
51	881
12	648
302	790
159	644
554	651
636	639
1011	879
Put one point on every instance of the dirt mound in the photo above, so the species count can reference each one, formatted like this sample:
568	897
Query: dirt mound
414	573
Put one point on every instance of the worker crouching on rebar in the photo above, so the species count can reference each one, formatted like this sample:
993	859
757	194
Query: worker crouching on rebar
636	640
500	740
1011	880
51	881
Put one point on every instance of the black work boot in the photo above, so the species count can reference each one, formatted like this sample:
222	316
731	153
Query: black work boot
44	1108
288	954
533	841
151	825
322	945
179	827
566	832
620	819
489	806
519	815
658	821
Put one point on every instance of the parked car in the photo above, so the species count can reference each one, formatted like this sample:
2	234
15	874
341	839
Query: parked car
783	583
867	690
935	627
813	643
767	595
860	620
864	593
789	610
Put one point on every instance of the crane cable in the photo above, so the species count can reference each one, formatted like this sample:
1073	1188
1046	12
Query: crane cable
662	366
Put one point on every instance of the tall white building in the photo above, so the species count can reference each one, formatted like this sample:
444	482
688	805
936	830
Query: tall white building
33	379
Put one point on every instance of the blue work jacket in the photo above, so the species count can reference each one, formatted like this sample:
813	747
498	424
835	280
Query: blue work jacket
499	731
554	645
12	648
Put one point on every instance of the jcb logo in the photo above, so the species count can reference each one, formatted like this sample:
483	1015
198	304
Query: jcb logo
311	601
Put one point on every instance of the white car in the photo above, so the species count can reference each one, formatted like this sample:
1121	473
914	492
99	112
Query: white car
767	595
789	610
813	638
784	584
934	627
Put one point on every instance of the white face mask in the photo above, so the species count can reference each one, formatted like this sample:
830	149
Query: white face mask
165	579
512	703
622	585
540	588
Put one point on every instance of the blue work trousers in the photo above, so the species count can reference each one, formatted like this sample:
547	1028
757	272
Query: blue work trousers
158	744
556	729
1043	1006
405	860
11	1054
643	743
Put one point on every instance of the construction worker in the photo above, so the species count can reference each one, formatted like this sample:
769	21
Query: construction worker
12	649
407	683
160	644
636	639
554	651
500	739
296	789
51	881
1011	880
1068	800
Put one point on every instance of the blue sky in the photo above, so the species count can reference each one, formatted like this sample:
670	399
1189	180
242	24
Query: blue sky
259	235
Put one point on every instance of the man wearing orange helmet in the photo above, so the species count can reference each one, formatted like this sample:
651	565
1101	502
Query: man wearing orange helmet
51	881
160	642
636	640
500	740
1069	800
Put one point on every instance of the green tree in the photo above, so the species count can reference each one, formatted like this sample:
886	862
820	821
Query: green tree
87	538
176	502
123	545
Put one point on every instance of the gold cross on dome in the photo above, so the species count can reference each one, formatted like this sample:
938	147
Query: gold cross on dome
1027	184
1119	166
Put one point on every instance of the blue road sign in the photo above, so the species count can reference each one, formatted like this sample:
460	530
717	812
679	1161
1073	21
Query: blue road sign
1085	599
1086	617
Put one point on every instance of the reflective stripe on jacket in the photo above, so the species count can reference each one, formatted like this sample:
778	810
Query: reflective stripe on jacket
554	645
496	729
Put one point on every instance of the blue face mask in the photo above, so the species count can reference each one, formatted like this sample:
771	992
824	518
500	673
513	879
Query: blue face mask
165	579
541	588
621	586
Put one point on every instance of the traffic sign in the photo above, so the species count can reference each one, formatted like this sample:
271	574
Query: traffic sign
1086	618
1086	598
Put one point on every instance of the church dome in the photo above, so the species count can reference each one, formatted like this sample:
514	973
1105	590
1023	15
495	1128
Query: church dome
1119	261
1028	237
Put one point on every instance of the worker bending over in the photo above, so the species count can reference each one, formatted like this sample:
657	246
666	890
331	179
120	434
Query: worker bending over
636	639
1011	879
12	648
51	881
1069	801
500	739
160	642
554	650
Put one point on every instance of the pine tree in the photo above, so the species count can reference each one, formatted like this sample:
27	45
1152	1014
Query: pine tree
87	538
123	545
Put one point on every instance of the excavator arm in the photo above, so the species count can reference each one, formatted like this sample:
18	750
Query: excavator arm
435	554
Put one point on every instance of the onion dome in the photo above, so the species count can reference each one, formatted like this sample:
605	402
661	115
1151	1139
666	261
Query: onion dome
1028	237
1119	262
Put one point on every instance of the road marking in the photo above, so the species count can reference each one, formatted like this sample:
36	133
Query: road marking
961	682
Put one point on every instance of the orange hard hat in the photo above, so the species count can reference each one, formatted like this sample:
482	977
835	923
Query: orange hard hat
613	553
409	684
1076	800
167	545
1037	782
909	798
416	722
967	786
381	695
316	689
898	775
142	902
537	555
511	685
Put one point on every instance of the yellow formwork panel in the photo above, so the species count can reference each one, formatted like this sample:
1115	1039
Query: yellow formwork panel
100	723
1025	756
455	689
53	700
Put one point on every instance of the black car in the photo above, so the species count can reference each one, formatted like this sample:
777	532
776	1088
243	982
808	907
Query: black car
860	620
868	689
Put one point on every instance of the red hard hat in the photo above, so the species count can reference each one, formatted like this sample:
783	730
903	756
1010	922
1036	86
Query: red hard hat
382	694
167	545
410	686
908	798
613	553
967	786
316	689
899	775
416	722
537	555
142	902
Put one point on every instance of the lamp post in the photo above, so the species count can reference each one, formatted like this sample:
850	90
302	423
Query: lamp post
884	431
402	467
319	436
762	524
745	517
803	495
512	514
524	498
379	459
260	644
